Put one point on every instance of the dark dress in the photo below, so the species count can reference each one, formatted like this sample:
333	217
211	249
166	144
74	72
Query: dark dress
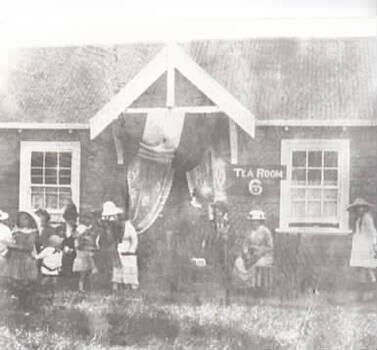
42	238
68	257
21	264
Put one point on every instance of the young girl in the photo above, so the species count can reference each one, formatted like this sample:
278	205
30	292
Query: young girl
85	244
21	266
50	263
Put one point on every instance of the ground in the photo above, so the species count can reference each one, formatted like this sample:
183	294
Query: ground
140	321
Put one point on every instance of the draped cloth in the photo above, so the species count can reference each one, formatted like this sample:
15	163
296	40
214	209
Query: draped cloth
150	173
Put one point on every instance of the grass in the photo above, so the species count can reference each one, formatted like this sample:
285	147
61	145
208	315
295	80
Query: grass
99	321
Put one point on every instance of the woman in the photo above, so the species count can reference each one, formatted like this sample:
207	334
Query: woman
44	228
22	268
254	264
68	231
363	256
112	235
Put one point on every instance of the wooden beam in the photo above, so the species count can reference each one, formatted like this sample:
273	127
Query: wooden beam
214	91
170	81
233	142
184	109
44	126
141	82
118	146
317	122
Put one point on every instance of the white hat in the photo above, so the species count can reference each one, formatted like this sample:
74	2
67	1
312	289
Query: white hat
256	215
3	215
110	209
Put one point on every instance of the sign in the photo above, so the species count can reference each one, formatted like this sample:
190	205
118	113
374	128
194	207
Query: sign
255	179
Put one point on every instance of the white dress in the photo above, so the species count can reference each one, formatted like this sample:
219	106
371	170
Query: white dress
362	253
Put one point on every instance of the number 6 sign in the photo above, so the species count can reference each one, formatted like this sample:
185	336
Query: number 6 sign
255	187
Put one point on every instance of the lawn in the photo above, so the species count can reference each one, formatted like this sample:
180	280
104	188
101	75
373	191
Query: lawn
99	321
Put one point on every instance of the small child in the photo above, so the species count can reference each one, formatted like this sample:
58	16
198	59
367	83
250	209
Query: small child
86	245
51	263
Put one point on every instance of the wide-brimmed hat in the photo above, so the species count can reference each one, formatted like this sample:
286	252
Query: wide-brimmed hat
256	215
3	215
110	209
55	241
359	202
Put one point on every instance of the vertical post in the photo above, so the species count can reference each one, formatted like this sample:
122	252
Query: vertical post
233	142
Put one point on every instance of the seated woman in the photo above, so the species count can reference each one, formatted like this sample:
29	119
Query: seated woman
254	264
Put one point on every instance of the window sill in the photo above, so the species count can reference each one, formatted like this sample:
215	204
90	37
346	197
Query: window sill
314	231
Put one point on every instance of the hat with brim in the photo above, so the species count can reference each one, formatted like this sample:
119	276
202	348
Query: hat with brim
359	202
110	209
3	215
55	241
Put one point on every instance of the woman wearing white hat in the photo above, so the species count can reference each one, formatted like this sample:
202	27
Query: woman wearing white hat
253	266
363	255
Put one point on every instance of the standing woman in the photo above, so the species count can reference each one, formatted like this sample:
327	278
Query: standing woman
45	230
253	266
68	230
22	267
363	257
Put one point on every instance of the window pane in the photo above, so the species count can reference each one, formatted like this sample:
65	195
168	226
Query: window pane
50	176
52	198
314	209
36	176
37	159
330	209
51	159
65	177
314	194
330	177
314	176
331	159
330	195
299	158
298	209
37	197
315	159
298	193
299	176
64	195
65	159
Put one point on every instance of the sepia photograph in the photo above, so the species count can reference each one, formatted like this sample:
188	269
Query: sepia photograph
211	193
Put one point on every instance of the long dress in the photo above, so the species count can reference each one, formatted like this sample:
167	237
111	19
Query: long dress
252	269
68	247
128	271
22	266
362	252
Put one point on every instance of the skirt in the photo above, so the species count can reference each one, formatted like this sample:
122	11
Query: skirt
260	277
21	266
127	273
84	262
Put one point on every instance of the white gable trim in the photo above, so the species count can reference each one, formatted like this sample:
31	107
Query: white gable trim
168	58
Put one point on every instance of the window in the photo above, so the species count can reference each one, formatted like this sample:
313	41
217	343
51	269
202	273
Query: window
50	174
316	191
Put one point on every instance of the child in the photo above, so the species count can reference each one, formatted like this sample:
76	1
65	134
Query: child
5	238
86	245
21	267
51	263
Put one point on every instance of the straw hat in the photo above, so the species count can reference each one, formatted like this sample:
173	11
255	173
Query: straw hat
55	241
3	215
359	202
110	209
256	215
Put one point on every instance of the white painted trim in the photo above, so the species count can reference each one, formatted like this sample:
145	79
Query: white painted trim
233	142
214	91
169	58
44	126
26	147
141	82
342	146
118	146
317	122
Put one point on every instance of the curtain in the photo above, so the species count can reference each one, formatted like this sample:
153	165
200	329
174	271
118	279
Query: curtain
150	173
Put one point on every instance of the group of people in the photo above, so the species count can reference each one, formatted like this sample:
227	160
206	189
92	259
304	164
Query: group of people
34	253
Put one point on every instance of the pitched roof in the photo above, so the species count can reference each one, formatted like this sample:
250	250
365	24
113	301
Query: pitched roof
312	79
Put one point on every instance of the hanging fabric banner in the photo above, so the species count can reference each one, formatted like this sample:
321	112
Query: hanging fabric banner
150	174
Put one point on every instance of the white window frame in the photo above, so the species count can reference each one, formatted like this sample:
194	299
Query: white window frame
342	146
26	149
